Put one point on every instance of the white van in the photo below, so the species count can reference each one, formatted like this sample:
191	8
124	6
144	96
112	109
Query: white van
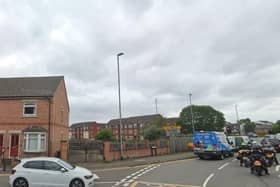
237	141
277	136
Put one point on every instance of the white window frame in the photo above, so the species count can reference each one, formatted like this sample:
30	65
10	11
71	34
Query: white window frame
35	109
38	150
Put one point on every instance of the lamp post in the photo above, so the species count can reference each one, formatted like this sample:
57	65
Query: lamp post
120	109
190	98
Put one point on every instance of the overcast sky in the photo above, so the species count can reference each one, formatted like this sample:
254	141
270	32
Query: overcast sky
224	52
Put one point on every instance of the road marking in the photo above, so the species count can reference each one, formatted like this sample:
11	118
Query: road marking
223	166
95	177
277	168
207	180
160	184
234	160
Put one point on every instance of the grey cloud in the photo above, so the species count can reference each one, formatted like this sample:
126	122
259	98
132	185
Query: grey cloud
225	53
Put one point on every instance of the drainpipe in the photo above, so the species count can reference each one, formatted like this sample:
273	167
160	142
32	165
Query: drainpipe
49	128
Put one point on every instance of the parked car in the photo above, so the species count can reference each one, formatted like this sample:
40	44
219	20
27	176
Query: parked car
270	136
273	142
211	144
49	171
277	136
236	141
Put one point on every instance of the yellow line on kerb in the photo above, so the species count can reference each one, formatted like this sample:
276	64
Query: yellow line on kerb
134	184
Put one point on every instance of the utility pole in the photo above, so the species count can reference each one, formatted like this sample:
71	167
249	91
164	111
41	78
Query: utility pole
156	105
237	118
190	98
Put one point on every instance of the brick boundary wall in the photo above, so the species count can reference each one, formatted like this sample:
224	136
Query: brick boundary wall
110	155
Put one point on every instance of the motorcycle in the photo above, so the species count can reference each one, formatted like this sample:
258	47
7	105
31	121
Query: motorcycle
243	157
257	167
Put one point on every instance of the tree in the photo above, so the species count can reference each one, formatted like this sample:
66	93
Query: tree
105	135
205	118
153	132
276	127
249	126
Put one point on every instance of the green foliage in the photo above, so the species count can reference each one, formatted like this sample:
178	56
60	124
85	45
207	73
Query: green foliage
105	135
276	127
153	132
249	126
205	118
159	122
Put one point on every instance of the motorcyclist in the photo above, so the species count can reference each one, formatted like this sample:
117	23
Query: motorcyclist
257	152
269	147
244	149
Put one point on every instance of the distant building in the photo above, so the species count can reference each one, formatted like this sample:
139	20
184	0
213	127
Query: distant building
132	126
85	130
263	127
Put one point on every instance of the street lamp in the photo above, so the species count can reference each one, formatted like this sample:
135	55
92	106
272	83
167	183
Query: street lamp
120	109
190	98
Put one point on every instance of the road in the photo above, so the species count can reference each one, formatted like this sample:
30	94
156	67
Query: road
184	173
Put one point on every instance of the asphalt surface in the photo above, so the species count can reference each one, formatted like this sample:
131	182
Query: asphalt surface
183	173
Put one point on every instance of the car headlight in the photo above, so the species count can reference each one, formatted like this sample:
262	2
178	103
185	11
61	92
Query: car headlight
88	176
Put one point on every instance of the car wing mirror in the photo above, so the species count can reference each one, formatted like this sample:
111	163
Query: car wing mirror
63	170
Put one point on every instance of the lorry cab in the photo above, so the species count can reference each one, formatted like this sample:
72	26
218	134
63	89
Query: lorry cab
211	144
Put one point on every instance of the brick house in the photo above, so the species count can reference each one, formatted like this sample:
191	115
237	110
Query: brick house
34	116
85	130
132	126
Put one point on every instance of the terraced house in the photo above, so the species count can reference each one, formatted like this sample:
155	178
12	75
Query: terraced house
34	116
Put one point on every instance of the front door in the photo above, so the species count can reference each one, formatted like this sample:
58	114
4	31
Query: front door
14	143
1	144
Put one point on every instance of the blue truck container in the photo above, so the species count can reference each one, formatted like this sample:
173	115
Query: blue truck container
211	144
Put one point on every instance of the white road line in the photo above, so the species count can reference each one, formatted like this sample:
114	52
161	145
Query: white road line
223	166
277	168
126	184
122	180
207	180
95	177
134	178
234	160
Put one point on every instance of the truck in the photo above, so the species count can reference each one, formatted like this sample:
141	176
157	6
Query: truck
211	144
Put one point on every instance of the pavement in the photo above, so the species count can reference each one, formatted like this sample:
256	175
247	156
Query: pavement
136	161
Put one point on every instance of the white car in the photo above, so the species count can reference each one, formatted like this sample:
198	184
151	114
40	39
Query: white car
49	172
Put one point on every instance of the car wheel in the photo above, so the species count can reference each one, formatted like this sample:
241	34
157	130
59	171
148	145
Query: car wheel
20	182
77	183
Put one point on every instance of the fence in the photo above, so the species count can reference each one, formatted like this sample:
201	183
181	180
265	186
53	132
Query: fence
179	144
85	151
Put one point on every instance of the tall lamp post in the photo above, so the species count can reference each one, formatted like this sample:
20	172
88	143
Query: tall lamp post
190	98
120	108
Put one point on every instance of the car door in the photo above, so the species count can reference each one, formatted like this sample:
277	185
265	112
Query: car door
54	176
34	172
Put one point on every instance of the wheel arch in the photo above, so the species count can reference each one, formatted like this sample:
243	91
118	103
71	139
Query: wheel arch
76	178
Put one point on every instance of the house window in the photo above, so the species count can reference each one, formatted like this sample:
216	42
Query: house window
1	142
34	142
29	109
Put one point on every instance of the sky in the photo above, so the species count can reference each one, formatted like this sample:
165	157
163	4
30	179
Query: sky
225	53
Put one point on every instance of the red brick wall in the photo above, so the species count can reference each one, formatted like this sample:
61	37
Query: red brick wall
60	118
115	155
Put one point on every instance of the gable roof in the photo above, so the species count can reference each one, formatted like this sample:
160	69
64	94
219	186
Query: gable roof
86	124
29	86
147	119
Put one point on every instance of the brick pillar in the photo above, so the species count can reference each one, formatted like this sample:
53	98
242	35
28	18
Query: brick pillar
107	151
64	150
